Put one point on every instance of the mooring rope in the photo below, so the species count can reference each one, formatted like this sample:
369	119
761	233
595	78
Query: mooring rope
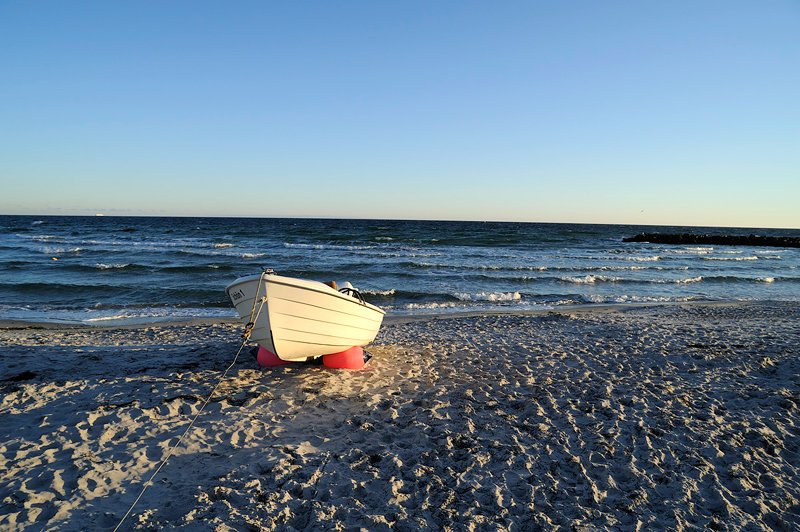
173	447
248	329
252	321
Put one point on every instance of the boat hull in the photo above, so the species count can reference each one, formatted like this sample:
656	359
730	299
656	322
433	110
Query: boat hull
300	319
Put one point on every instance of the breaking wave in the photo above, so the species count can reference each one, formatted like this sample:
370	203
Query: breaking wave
592	279
488	296
389	292
102	266
331	247
730	259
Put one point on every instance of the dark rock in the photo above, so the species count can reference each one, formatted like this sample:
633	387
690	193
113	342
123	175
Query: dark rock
24	376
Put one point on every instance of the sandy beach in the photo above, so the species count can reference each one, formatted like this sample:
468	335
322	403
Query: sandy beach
649	417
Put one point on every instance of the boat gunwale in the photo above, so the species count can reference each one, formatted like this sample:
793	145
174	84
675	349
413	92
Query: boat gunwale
270	278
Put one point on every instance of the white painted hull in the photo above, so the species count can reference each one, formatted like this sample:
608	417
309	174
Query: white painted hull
302	319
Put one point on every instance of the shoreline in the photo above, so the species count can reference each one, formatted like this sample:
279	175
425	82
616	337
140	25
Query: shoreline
388	319
652	416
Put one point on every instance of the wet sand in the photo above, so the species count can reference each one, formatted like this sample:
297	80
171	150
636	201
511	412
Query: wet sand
665	416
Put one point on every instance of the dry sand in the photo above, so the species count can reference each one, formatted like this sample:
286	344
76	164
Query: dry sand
649	417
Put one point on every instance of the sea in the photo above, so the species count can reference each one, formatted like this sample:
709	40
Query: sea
108	270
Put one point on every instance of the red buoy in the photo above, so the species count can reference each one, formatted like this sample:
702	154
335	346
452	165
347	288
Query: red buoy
352	358
268	359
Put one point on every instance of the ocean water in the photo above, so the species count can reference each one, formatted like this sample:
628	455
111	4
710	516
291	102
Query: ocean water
108	270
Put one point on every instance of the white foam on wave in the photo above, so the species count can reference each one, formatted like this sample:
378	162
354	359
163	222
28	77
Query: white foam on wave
389	292
253	255
333	247
430	306
591	279
102	266
659	268
588	279
222	245
596	298
692	251
378	252
109	318
689	280
653	258
489	296
116	316
620	268
737	259
480	306
766	279
145	315
495	267
61	251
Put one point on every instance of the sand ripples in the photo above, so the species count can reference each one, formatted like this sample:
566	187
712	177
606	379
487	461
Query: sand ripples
662	417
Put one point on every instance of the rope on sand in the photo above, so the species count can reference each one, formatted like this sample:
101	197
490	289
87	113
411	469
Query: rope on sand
248	329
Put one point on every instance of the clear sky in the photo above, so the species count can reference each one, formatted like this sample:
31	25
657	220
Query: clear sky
680	112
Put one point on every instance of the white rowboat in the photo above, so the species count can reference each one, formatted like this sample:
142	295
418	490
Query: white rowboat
300	320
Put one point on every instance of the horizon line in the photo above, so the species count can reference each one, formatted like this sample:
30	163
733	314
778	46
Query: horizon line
448	220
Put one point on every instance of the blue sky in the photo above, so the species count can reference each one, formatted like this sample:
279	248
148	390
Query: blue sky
608	112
